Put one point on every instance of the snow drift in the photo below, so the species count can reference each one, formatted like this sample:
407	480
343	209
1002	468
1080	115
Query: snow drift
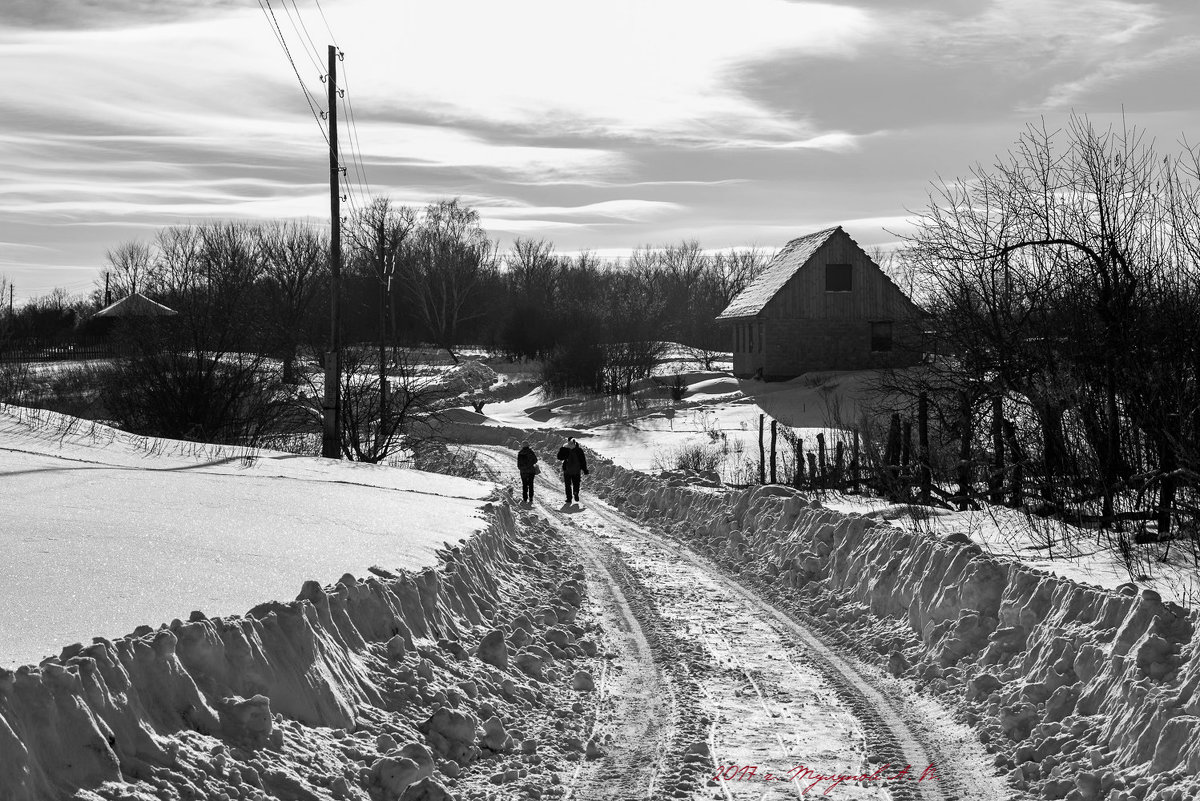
352	691
1085	692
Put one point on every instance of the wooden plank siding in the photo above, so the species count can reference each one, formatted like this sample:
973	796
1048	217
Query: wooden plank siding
873	297
803	328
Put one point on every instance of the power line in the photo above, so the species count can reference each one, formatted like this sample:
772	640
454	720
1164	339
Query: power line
355	189
311	53
332	38
311	43
271	20
361	168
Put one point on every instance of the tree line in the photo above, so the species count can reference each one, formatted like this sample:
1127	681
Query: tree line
410	276
1063	285
236	363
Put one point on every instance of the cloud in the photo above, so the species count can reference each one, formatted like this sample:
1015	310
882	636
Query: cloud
603	124
953	63
92	14
624	68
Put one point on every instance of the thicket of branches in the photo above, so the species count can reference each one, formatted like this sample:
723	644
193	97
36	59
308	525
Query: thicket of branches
253	310
422	276
1063	283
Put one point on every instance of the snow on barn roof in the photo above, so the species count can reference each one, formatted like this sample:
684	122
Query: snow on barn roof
795	254
135	305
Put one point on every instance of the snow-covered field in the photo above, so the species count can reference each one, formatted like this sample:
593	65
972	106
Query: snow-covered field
629	647
720	414
104	531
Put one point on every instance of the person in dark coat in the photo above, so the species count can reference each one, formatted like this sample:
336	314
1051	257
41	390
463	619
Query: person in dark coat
574	465
527	465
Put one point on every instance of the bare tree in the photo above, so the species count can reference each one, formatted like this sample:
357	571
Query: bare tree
376	425
130	268
295	270
378	234
178	265
1051	276
445	268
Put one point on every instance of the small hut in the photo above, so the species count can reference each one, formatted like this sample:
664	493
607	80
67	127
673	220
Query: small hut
136	305
135	309
822	304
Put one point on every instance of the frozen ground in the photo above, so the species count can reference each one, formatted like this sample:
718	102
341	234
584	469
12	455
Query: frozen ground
103	531
706	672
628	647
720	415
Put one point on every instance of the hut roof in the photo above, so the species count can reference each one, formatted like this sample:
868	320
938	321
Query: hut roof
136	305
794	255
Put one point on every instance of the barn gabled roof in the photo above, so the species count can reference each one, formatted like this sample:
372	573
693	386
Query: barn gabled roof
794	255
135	305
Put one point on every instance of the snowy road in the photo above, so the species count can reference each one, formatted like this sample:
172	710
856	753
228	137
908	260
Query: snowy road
706	674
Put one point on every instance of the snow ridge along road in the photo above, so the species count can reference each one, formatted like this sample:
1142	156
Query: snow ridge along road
746	684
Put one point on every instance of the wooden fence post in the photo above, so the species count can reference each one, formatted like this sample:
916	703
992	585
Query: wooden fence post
906	445
821	458
1016	489
774	426
854	463
798	479
996	479
762	456
1168	463
964	450
923	447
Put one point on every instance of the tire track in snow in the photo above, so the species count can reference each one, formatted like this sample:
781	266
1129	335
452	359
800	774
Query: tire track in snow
897	730
639	701
637	712
772	707
622	553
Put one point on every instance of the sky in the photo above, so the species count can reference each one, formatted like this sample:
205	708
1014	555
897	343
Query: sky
599	126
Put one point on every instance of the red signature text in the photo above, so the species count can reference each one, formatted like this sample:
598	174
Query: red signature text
807	778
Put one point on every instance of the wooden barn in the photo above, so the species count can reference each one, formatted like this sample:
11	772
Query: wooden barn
822	304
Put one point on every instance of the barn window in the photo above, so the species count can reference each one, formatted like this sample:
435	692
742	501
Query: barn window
838	278
881	337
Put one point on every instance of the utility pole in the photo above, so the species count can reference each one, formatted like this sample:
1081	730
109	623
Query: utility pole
331	445
107	297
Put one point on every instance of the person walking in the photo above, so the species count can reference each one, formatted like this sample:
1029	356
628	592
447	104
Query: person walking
574	465
527	465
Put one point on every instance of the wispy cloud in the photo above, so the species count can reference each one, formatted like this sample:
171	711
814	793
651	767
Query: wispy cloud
69	14
600	124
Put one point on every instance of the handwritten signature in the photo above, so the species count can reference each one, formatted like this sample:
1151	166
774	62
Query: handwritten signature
809	778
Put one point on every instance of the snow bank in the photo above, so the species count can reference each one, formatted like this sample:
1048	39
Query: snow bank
366	689
102	530
469	376
1082	693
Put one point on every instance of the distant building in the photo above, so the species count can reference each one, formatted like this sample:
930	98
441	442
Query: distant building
136	305
822	304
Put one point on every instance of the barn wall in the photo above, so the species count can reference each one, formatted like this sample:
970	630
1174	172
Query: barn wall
806	329
797	346
746	363
874	296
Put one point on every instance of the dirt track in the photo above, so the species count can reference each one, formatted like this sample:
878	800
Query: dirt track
705	674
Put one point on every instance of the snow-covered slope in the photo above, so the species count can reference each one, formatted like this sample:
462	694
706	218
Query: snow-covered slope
101	531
